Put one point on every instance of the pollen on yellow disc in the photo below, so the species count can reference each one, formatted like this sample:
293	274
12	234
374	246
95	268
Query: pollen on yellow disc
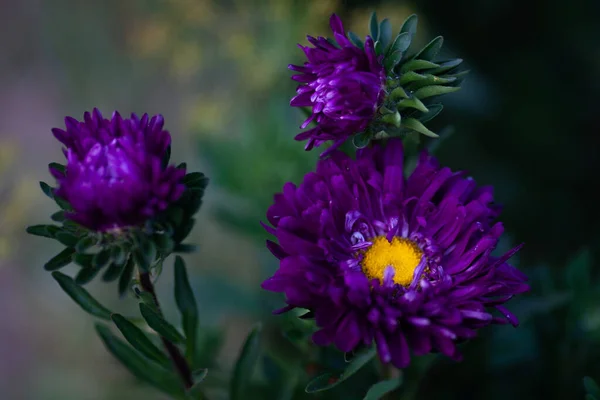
402	254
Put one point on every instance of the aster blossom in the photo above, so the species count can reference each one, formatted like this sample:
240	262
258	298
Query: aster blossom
342	83
115	177
405	263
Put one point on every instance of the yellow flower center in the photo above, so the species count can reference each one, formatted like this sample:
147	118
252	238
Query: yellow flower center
401	254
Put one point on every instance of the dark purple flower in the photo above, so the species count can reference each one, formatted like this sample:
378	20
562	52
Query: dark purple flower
343	84
404	262
114	176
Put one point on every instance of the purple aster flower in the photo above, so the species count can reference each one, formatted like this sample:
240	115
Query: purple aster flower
343	84
403	262
114	176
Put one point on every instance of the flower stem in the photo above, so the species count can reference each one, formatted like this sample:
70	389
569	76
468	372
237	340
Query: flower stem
181	365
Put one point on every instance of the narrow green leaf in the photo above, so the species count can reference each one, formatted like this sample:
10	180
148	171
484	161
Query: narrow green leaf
431	49
198	376
357	42
185	248
411	76
163	242
329	380
410	25
361	140
434	110
417	126
184	230
47	189
145	370
159	325
591	387
85	243
393	119
86	275
58	216
385	34
374	27
148	299
83	260
186	303
417	65
412	103
66	238
434	90
60	260
112	272
139	340
430	80
59	167
446	66
101	258
398	93
48	231
391	60
195	180
182	166
62	203
380	389
401	43
126	277
245	365
81	296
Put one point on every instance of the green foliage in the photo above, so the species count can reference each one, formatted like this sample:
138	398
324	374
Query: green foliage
330	380
186	303
81	296
245	365
380	389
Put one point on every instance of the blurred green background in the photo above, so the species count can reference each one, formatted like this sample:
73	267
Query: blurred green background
526	122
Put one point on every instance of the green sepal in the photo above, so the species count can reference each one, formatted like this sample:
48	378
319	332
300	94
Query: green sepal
361	140
330	380
48	231
391	60
86	275
380	389
398	93
85	243
385	34
126	276
393	119
60	260
401	43
434	90
101	258
374	27
58	216
411	76
47	189
430	80
446	66
59	167
413	103
431	49
66	238
186	303
139	366
195	180
81	296
357	41
113	271
245	364
416	125
83	260
139	340
160	325
417	65
410	25
62	203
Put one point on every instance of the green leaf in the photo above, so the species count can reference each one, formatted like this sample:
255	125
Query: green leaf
398	93
119	255
430	80
185	248
385	34
446	66
391	60
48	231
159	325
62	203
401	43
145	254
195	180
60	260
374	27
416	65
83	260
245	365
435	90
380	389
357	42
184	230
578	272
417	126
410	26
361	140
164	243
329	380
186	303
66	238
411	76
101	258
434	110
85	275
47	189
198	377
59	167
126	276
393	119
139	340
431	49
58	216
112	272
81	296
147	371
85	243
413	103
591	387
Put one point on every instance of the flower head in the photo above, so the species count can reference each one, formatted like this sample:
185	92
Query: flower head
114	176
342	83
403	262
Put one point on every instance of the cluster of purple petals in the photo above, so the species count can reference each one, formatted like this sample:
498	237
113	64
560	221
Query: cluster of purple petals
323	224
114	176
342	84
